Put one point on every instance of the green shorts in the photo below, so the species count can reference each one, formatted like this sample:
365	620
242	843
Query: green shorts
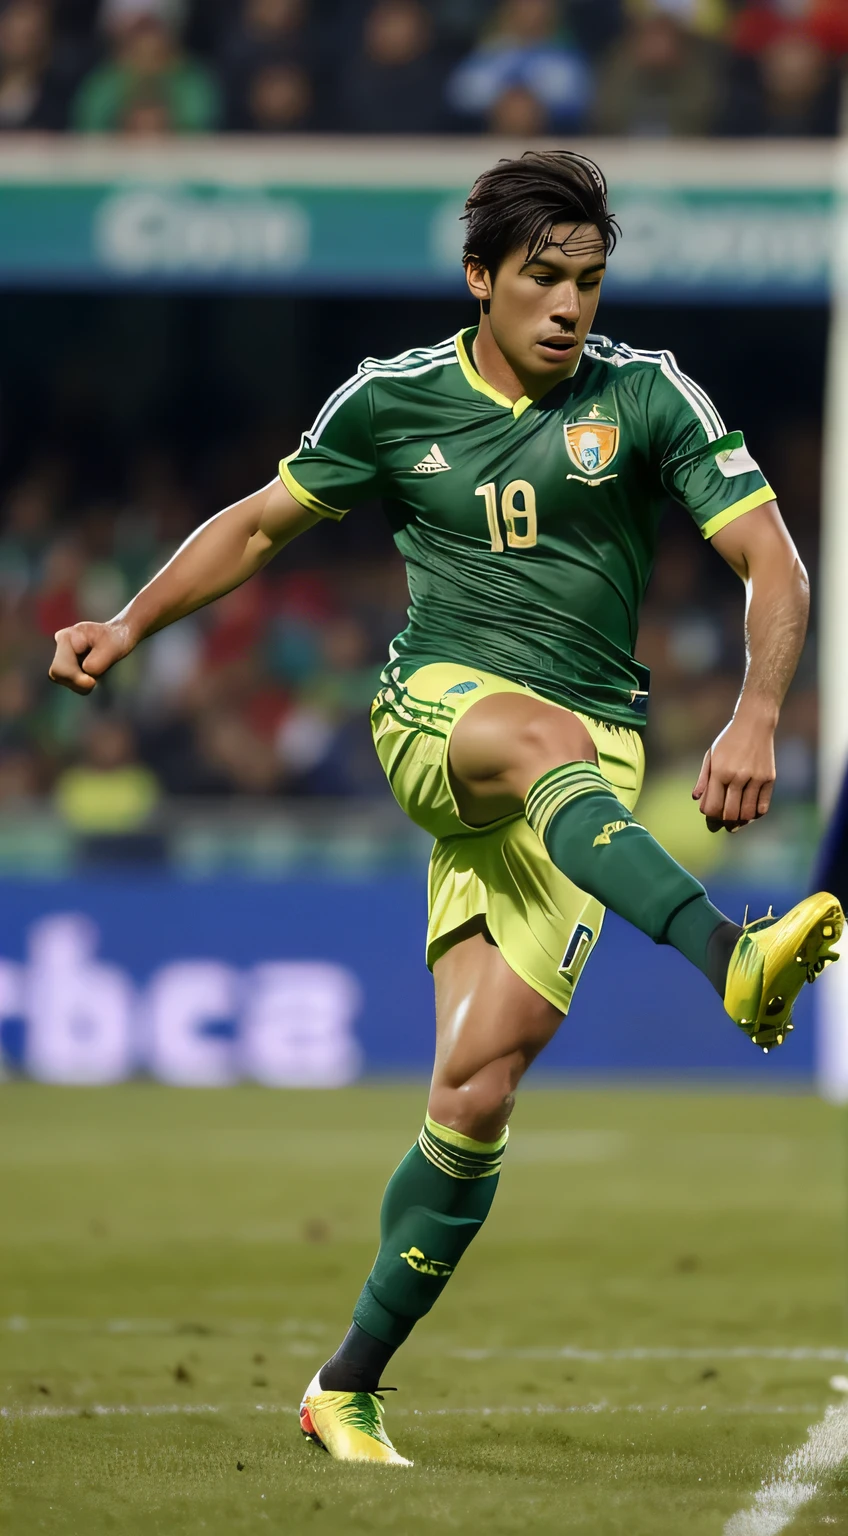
544	926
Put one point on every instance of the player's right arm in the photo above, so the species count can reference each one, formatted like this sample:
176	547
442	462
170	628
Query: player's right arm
218	556
334	467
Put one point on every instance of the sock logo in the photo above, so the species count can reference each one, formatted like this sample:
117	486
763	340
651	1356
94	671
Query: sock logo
424	1266
610	830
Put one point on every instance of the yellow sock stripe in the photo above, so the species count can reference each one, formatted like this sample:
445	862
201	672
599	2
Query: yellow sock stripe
466	1162
455	1158
557	788
560	794
465	1143
561	779
446	1164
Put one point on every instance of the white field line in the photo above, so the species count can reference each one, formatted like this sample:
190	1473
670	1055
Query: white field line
736	1352
167	1326
777	1503
107	1410
299	1330
156	1410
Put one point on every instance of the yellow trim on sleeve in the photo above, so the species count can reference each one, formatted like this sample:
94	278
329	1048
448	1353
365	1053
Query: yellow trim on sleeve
476	380
739	508
305	497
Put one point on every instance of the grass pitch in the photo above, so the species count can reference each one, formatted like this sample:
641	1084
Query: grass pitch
613	1355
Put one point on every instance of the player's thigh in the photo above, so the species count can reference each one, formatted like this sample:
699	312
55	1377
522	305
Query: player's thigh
490	1025
502	744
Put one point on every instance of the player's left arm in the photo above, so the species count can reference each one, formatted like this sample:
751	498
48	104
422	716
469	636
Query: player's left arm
737	777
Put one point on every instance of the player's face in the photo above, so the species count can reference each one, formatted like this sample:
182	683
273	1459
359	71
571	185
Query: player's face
542	310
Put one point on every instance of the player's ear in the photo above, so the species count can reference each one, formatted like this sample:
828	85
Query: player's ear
479	283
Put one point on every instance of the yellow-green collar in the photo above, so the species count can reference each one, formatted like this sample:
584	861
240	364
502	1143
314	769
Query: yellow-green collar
476	380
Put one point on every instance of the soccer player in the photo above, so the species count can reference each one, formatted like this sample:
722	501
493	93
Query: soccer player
524	465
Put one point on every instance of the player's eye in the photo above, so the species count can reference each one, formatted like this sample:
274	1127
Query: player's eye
544	279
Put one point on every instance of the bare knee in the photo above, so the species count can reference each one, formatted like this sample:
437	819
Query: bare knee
544	741
480	1105
508	741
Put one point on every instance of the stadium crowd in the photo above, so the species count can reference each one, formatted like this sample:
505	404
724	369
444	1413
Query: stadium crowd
267	691
658	68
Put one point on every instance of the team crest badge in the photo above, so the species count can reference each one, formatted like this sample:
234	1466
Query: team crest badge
592	445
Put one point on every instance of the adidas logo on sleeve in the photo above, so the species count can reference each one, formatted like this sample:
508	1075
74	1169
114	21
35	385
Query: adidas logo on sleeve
433	463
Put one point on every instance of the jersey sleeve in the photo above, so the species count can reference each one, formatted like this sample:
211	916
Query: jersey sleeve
336	463
702	465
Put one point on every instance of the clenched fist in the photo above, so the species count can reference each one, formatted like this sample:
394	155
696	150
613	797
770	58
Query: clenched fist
85	651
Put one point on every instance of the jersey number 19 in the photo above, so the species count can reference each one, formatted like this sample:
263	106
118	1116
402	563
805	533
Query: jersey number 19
510	513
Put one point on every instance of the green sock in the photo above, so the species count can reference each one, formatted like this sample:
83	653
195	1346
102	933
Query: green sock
435	1203
599	845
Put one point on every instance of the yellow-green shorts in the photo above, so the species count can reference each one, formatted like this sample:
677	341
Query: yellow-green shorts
544	926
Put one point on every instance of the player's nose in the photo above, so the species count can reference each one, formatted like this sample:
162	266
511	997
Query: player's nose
566	310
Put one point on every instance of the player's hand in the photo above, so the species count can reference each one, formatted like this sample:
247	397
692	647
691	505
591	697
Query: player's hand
737	775
85	651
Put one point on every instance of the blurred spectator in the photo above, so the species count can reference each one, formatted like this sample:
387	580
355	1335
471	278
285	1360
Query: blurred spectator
707	18
526	51
518	114
270	64
147	117
33	87
659	81
263	27
57	604
26	527
110	790
149	84
791	89
519	68
763	22
595	24
279	98
396	83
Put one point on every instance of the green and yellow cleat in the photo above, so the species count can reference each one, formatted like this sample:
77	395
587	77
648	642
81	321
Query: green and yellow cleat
349	1425
773	958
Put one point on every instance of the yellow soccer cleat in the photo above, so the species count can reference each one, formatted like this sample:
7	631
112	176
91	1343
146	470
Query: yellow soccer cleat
773	958
349	1425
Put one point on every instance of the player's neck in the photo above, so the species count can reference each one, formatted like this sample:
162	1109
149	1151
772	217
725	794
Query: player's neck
493	367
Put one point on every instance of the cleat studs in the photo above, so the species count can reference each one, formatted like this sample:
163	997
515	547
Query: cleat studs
827	931
765	1050
800	959
780	1039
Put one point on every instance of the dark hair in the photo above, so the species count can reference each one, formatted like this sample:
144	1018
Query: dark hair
516	204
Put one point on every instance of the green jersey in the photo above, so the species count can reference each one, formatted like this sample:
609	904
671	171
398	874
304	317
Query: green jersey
529	528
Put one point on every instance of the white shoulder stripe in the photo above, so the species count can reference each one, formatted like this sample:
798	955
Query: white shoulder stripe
328	411
412	354
695	396
689	387
373	364
677	379
693	392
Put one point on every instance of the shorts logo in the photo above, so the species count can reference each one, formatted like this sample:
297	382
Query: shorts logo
592	444
423	1266
610	830
577	952
460	688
